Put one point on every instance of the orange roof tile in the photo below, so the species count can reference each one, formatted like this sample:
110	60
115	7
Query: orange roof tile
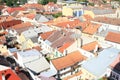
46	34
31	15
34	5
4	32
10	9
91	28
90	46
13	75
87	17
116	61
65	45
113	37
22	25
2	39
74	75
68	60
37	48
69	24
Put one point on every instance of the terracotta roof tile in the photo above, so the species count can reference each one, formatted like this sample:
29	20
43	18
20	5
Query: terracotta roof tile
46	35
69	60
87	17
3	33
22	25
65	46
31	15
2	39
113	37
91	28
12	75
116	61
113	21
37	48
69	24
8	24
10	9
90	46
34	5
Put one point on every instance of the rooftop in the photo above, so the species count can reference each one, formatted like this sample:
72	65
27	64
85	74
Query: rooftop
98	65
113	21
113	37
68	60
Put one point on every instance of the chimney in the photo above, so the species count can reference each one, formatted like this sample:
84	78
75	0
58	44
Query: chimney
66	52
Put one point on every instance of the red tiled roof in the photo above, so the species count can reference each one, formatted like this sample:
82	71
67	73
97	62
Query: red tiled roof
10	10
31	15
22	25
113	37
113	21
116	61
6	18
69	60
46	35
90	46
91	28
2	39
65	46
37	48
8	24
69	24
57	20
4	32
37	6
9	74
87	17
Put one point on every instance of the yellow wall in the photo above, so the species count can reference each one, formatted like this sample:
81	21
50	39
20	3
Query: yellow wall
67	11
27	44
3	49
89	13
87	75
21	38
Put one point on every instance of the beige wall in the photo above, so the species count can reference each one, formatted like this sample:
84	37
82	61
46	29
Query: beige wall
67	11
3	48
87	75
74	46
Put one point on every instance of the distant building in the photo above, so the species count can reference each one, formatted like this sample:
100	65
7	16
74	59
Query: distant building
32	1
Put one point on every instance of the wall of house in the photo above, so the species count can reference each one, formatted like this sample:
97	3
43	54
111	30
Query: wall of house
66	11
87	75
115	76
21	38
115	45
99	38
73	47
57	53
3	49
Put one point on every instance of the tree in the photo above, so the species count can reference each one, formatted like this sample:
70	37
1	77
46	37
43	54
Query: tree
57	15
43	2
53	1
82	0
46	1
11	2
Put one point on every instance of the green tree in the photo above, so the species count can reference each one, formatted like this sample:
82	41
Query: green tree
11	2
46	1
57	15
53	1
82	0
43	1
